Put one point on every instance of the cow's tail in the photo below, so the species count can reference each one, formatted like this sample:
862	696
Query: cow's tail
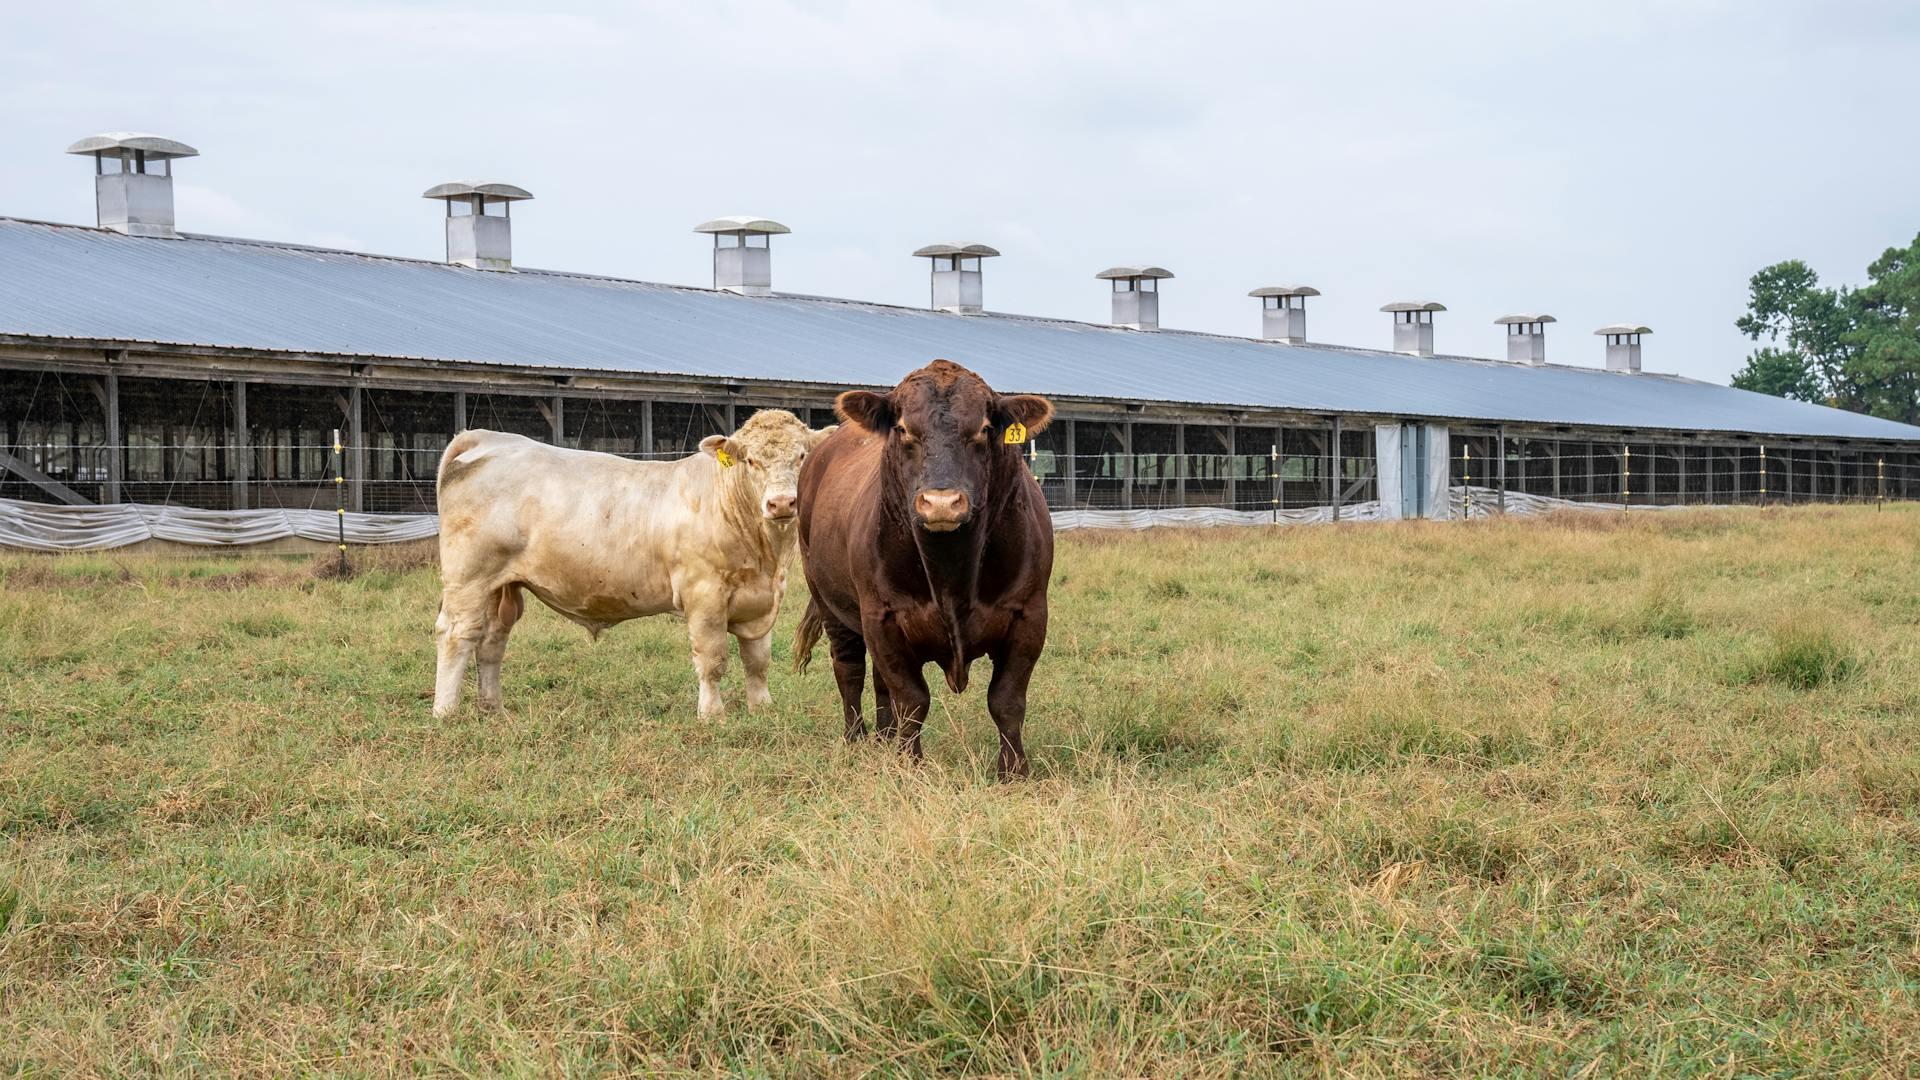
807	635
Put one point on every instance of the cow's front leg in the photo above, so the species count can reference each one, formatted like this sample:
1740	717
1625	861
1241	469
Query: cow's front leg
707	628
756	655
906	685
1007	702
849	674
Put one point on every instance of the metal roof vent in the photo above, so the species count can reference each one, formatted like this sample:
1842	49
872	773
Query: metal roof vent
1136	295
1283	312
479	222
742	257
1526	336
956	276
1413	325
1623	345
133	180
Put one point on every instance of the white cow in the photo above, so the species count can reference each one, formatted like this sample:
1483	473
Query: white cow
601	540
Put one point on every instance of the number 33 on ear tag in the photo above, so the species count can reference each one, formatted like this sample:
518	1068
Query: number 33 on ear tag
1016	433
726	459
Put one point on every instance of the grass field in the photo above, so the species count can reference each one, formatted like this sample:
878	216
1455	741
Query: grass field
1598	795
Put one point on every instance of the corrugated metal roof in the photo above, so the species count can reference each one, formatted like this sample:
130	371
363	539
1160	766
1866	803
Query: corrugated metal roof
61	281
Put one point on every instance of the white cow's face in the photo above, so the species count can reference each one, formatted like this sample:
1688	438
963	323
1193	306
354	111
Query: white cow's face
767	452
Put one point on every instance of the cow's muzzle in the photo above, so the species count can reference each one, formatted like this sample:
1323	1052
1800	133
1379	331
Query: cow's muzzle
778	508
942	510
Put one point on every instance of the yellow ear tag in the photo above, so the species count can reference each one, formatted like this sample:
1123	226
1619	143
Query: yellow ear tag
726	459
1016	433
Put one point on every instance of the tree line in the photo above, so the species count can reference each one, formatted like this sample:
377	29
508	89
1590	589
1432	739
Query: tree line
1851	348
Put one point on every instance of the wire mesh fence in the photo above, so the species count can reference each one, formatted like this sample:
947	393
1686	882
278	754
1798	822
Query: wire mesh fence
221	444
386	477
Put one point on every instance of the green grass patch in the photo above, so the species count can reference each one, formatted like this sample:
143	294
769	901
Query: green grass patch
1550	797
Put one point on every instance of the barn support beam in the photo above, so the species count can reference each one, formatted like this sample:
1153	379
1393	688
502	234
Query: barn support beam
1337	467
1180	464
242	446
116	446
1072	467
1501	453
459	411
646	428
1126	465
1233	465
356	463
25	471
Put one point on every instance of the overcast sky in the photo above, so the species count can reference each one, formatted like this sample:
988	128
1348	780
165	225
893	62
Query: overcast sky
1618	161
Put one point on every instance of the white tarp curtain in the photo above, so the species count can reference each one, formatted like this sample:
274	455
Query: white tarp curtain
1388	443
1386	455
1439	458
43	527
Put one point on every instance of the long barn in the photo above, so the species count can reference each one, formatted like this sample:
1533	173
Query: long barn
143	364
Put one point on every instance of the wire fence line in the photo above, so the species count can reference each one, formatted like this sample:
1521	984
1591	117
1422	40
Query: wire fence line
389	476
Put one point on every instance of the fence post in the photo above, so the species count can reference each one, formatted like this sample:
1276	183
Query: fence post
340	496
1763	474
1273	479
1626	476
1880	489
1466	481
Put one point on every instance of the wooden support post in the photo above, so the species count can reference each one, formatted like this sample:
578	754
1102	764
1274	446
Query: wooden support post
1501	436
242	446
1180	464
1126	465
459	411
116	445
646	428
1337	462
1233	466
357	451
1072	468
557	418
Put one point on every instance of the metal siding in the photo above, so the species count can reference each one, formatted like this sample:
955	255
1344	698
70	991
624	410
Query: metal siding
61	281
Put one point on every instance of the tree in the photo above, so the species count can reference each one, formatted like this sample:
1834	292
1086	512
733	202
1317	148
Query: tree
1887	334
1782	373
1855	349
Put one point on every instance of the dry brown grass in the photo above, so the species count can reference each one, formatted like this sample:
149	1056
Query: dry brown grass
1600	795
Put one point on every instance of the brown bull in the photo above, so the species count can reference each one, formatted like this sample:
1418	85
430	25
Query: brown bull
925	539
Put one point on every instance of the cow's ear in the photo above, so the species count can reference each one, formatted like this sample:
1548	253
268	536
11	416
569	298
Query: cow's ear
865	408
1029	410
815	438
716	445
